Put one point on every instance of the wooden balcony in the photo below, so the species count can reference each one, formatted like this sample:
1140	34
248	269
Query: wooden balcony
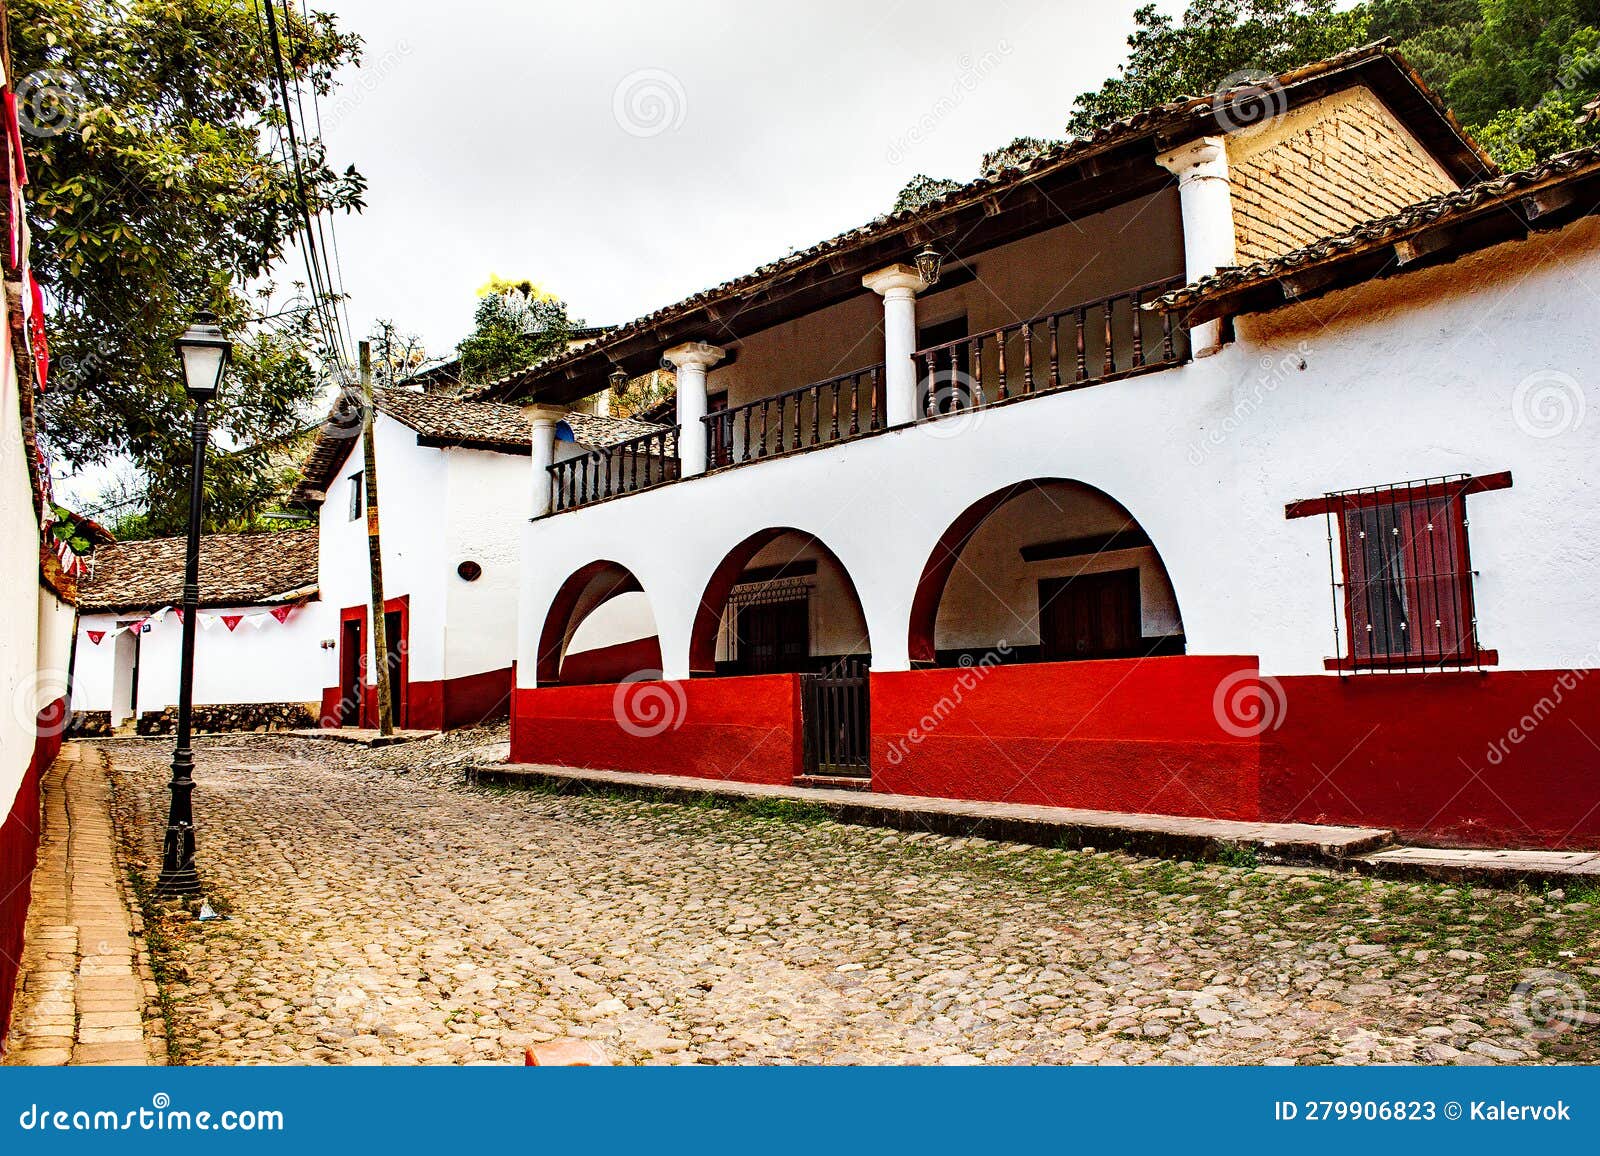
1088	343
640	463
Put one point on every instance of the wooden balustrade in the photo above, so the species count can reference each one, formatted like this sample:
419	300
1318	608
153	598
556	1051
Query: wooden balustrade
637	464
818	414
1084	344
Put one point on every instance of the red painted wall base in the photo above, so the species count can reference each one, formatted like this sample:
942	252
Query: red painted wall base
438	705
1506	758
19	849
741	729
1459	758
1114	735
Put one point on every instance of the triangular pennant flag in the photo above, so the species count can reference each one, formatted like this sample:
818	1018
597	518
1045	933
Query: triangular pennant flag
231	621
179	613
257	620
96	635
281	613
207	621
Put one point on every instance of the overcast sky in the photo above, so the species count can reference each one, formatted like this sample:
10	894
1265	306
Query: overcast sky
624	155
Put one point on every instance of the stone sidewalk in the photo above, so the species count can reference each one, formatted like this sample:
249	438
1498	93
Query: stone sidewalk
1368	850
86	995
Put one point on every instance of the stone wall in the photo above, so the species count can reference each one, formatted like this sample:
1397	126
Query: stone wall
240	716
89	724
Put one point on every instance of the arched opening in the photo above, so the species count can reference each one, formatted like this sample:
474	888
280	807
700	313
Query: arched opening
599	628
1047	570
780	602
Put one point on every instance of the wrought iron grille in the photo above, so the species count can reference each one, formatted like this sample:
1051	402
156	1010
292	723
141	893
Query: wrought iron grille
1402	576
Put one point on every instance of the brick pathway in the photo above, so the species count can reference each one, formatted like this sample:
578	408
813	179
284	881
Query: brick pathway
383	912
85	991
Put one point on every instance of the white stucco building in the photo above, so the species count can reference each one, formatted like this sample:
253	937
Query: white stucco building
257	646
1230	465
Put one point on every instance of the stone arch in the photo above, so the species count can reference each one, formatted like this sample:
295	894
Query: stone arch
779	548
1072	530
586	590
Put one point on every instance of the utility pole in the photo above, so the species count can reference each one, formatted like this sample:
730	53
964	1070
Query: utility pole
380	635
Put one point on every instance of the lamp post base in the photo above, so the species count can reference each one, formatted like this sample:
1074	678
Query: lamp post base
178	884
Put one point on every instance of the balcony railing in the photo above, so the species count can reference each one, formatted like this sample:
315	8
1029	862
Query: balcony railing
818	414
1084	344
624	468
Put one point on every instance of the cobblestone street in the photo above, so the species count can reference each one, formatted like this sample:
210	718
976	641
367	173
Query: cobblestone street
381	911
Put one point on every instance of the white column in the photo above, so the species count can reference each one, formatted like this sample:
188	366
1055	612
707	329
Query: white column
691	361
543	441
898	285
1205	197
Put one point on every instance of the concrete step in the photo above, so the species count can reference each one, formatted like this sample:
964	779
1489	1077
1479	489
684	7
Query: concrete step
1498	867
835	782
1159	835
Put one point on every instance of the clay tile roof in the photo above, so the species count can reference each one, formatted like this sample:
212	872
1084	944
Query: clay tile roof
235	570
1187	115
1385	231
439	419
597	432
475	424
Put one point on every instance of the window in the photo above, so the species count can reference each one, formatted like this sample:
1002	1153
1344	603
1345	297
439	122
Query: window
1402	574
355	497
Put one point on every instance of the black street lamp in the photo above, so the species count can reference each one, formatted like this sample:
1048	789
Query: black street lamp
205	351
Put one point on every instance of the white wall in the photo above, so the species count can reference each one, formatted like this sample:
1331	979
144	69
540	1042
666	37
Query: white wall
488	504
19	578
275	663
624	618
437	508
414	505
1407	378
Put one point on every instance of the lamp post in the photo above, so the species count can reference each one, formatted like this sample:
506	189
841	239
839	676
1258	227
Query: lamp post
205	351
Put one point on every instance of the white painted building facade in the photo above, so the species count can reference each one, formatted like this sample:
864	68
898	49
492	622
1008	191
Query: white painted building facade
1302	542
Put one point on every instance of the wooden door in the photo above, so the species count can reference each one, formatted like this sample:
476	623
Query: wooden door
351	648
394	635
1090	616
774	637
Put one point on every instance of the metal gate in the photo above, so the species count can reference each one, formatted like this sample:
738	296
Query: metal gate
834	717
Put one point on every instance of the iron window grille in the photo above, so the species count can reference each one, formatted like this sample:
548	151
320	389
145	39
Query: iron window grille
355	496
1402	575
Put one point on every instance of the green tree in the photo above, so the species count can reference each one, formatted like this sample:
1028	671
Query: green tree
1216	39
921	190
1019	152
160	190
513	328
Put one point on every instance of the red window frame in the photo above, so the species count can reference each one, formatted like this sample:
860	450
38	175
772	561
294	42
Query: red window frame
1403	574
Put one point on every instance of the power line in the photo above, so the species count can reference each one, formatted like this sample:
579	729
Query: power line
316	270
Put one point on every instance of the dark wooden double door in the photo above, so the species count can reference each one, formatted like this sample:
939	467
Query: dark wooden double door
1090	616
